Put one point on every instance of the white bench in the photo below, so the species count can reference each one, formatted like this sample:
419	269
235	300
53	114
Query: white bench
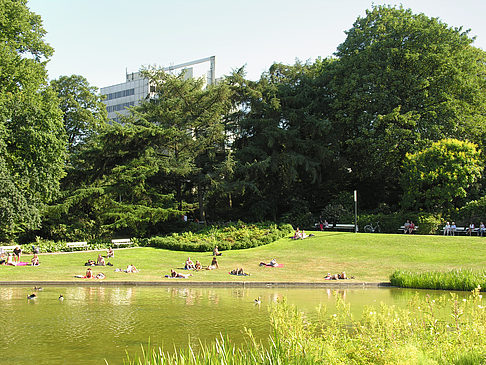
344	227
73	245
121	241
7	249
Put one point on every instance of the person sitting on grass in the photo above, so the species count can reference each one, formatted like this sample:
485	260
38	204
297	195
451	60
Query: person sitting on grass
100	261
35	260
174	274
89	273
272	263
10	260
110	252
189	265
198	265
297	234
216	251
214	265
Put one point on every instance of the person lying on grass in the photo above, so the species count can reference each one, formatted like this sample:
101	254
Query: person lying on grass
174	274
239	272
214	264
272	263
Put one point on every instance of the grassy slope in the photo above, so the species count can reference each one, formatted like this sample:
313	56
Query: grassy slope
368	257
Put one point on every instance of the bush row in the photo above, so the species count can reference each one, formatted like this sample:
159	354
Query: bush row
226	237
451	280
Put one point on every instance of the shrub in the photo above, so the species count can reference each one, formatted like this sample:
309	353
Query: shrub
227	237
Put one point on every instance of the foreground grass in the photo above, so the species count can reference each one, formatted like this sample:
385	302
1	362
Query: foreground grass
443	331
367	257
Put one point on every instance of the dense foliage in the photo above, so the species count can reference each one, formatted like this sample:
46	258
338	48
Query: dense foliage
398	115
440	331
451	280
227	237
32	137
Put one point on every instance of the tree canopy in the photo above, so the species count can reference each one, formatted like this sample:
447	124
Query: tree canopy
32	138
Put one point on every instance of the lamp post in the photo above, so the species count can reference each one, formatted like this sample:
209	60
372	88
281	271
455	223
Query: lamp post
355	211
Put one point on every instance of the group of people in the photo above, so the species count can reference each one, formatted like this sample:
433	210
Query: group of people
451	229
323	224
13	258
341	276
408	227
190	265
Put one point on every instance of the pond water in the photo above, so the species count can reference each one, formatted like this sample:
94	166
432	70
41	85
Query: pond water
96	323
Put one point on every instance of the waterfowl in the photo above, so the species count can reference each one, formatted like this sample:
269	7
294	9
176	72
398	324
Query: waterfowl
258	300
61	298
31	296
37	288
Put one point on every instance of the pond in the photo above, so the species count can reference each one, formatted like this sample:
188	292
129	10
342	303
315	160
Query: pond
96	323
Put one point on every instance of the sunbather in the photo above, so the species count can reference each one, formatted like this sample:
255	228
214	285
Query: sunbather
89	273
131	268
189	265
272	263
239	271
216	251
214	264
198	265
110	253
100	261
297	234
174	274
35	260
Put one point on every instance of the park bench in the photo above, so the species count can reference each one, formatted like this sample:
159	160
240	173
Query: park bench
336	227
73	245
343	227
4	249
462	230
121	242
402	229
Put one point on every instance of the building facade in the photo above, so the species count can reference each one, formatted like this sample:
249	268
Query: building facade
120	97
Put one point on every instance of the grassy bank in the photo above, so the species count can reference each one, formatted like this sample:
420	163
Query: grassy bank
443	331
367	257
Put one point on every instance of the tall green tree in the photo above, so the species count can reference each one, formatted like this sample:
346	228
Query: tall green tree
32	138
402	80
189	119
436	179
283	142
84	111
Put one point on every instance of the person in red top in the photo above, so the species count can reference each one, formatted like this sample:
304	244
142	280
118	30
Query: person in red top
411	227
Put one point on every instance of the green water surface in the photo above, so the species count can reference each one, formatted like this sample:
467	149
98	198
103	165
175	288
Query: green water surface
94	324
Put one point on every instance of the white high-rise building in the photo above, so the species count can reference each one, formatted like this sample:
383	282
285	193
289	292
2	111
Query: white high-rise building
119	97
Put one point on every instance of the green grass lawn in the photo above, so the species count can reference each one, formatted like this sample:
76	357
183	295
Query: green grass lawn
367	257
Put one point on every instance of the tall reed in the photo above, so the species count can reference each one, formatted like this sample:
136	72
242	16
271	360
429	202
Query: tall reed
451	280
441	331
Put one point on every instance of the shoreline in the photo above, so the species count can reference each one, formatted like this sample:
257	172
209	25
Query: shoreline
221	284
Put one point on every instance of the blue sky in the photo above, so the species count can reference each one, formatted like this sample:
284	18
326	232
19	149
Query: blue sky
101	39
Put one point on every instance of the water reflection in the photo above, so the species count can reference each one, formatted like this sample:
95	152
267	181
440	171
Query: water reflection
94	323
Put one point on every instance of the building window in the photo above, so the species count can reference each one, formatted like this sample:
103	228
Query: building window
120	94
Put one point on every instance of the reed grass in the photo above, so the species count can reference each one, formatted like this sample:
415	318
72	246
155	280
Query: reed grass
448	330
459	279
